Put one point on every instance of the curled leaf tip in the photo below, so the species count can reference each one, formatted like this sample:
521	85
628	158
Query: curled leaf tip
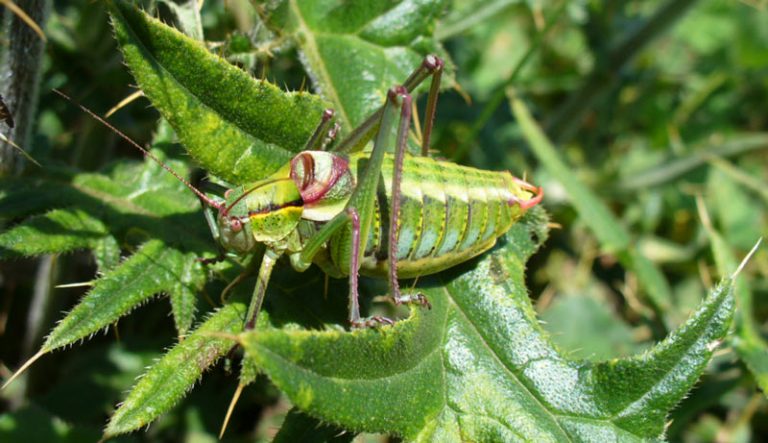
747	258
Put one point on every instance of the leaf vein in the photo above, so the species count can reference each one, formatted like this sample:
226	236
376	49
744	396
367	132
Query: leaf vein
496	357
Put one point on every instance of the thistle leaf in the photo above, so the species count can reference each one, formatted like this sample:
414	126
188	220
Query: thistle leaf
168	380
183	294
238	128
150	270
60	230
478	366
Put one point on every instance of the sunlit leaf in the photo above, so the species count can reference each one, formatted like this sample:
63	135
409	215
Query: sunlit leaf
57	231
357	51
237	127
478	366
150	270
166	382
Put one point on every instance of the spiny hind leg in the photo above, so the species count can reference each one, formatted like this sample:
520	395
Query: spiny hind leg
338	225
359	213
394	213
354	304
431	65
358	216
434	65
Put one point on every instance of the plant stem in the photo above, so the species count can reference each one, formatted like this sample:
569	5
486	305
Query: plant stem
20	70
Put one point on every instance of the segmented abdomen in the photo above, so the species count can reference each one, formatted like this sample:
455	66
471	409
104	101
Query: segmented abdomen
448	214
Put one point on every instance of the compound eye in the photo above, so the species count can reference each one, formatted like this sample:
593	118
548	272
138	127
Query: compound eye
235	224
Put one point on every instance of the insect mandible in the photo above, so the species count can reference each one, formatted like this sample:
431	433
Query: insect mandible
327	206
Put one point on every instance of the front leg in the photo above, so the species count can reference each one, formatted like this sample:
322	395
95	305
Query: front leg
356	220
336	227
265	271
210	219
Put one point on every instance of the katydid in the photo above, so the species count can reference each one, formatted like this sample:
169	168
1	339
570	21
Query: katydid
329	207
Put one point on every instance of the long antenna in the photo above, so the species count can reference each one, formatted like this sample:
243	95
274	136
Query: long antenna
202	196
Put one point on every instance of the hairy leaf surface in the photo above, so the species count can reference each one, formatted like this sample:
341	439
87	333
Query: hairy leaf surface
235	126
166	382
60	230
135	200
152	269
478	366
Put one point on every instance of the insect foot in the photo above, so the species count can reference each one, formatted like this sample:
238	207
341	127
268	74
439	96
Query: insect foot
371	322
417	298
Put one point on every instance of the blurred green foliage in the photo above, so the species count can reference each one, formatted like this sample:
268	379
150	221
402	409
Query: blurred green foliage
678	115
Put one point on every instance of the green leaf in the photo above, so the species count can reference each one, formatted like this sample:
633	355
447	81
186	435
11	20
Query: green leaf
638	392
106	252
478	366
671	168
753	351
236	127
60	230
137	200
188	17
741	217
613	237
183	295
152	269
355	53
168	380
741	220
20	197
468	15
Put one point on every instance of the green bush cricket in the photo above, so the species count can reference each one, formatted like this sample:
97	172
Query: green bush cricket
375	213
